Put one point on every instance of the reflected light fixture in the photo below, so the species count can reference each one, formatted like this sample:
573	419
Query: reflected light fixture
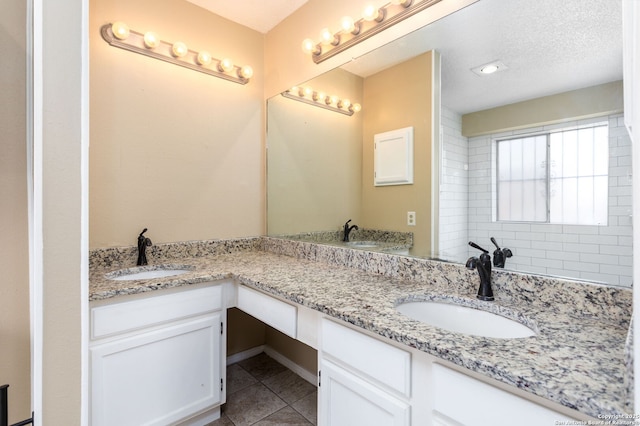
374	20
320	99
149	44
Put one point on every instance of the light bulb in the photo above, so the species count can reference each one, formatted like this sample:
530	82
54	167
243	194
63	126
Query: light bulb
179	49
245	72
355	107
204	58
120	30
333	100
294	90
349	25
225	65
405	3
151	40
372	13
319	96
307	91
327	37
310	47
345	103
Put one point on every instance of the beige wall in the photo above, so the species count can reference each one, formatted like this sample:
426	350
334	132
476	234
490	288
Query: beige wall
604	99
314	160
14	254
173	150
395	98
287	65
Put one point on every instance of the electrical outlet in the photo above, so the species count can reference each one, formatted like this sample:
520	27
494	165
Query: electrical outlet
411	218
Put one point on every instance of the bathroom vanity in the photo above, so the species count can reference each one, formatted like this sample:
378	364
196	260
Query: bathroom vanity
157	346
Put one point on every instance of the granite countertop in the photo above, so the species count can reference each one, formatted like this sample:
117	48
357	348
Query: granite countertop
577	358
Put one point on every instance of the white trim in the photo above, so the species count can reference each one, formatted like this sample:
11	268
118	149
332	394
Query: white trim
34	103
308	376
241	356
84	217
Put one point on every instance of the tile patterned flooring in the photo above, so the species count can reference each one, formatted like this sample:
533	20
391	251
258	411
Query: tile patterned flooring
262	392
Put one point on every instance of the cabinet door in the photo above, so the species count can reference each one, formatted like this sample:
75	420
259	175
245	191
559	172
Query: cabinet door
157	377
348	400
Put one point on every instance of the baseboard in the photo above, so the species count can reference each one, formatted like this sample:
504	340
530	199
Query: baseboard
240	356
300	371
307	375
203	418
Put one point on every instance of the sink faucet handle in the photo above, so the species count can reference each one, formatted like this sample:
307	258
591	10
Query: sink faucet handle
474	245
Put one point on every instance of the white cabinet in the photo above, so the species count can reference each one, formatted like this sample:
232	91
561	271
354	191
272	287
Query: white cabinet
158	360
463	400
348	400
363	381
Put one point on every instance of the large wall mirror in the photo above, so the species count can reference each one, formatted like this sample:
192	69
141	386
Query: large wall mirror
559	78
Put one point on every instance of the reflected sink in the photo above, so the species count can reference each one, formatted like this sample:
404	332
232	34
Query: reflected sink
463	319
362	244
149	272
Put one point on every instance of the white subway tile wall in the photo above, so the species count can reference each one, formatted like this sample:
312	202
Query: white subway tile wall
454	189
598	253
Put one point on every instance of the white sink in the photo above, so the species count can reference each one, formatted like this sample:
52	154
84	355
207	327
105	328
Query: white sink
463	319
144	273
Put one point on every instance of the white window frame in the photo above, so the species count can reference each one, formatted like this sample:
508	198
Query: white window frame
547	133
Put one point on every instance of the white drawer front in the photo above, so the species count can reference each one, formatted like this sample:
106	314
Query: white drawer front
388	365
271	311
121	317
465	400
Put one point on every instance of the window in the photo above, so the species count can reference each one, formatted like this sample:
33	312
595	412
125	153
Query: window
556	177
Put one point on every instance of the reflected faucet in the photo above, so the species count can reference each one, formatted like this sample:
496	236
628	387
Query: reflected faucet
500	255
347	230
143	243
483	265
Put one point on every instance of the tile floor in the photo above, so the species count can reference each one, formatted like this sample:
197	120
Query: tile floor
262	392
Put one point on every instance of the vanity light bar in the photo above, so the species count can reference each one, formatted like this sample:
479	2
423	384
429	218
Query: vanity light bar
319	99
148	44
353	32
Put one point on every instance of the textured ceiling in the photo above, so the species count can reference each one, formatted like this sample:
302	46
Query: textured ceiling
549	46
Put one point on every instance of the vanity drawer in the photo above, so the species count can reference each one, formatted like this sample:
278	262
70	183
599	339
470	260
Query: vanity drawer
271	311
121	317
386	364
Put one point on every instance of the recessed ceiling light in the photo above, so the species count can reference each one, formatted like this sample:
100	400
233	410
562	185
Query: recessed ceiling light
490	68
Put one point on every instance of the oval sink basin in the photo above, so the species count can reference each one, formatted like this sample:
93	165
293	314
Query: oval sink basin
362	244
144	273
463	319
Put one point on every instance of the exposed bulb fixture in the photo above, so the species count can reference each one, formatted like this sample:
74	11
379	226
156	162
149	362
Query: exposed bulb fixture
373	13
225	65
374	20
328	37
179	49
344	104
149	44
151	40
348	25
308	96
204	58
120	30
404	3
245	72
310	47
